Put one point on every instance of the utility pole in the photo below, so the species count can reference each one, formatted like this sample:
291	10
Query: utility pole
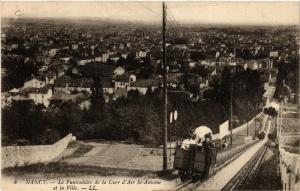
278	124
231	110
165	155
231	89
280	127
247	117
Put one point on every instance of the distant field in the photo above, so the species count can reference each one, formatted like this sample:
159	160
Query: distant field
116	155
293	149
290	125
290	120
291	128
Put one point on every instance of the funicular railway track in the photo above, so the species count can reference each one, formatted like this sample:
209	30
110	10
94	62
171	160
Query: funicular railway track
248	172
225	158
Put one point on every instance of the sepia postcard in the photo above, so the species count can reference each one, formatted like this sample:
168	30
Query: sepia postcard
150	95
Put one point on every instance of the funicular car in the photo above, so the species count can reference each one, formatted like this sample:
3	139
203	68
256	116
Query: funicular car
197	162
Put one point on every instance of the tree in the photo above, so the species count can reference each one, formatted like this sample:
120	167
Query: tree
121	61
97	101
17	73
196	56
270	111
194	89
201	70
150	132
133	94
70	118
22	120
146	71
149	91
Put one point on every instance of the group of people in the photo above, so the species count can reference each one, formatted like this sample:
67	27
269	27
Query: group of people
202	136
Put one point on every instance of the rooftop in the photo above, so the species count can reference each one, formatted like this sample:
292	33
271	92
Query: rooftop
145	83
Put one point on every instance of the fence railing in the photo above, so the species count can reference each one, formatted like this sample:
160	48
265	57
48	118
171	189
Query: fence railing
290	170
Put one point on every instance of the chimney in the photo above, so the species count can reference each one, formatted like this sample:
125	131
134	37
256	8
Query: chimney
234	54
85	52
92	47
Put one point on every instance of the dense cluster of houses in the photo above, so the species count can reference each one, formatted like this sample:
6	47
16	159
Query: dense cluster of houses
43	90
61	88
64	53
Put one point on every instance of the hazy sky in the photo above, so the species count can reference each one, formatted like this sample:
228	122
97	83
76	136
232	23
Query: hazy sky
191	12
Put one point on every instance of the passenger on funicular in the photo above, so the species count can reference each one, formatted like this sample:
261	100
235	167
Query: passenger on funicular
195	139
191	140
208	141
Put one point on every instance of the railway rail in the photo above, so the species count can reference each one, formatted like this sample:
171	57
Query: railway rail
226	157
248	172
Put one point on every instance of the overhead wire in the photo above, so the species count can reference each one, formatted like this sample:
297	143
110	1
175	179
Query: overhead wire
174	26
155	13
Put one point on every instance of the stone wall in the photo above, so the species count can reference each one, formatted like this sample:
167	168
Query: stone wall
290	170
15	156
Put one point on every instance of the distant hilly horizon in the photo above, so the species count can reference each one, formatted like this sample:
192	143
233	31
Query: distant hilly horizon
110	21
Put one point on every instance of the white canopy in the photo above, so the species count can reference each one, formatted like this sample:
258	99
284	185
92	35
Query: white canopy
15	90
275	105
201	131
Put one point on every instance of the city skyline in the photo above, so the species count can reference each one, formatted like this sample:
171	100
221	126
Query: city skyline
150	95
241	13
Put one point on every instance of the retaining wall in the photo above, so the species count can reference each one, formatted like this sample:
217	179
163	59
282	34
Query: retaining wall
290	170
15	156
